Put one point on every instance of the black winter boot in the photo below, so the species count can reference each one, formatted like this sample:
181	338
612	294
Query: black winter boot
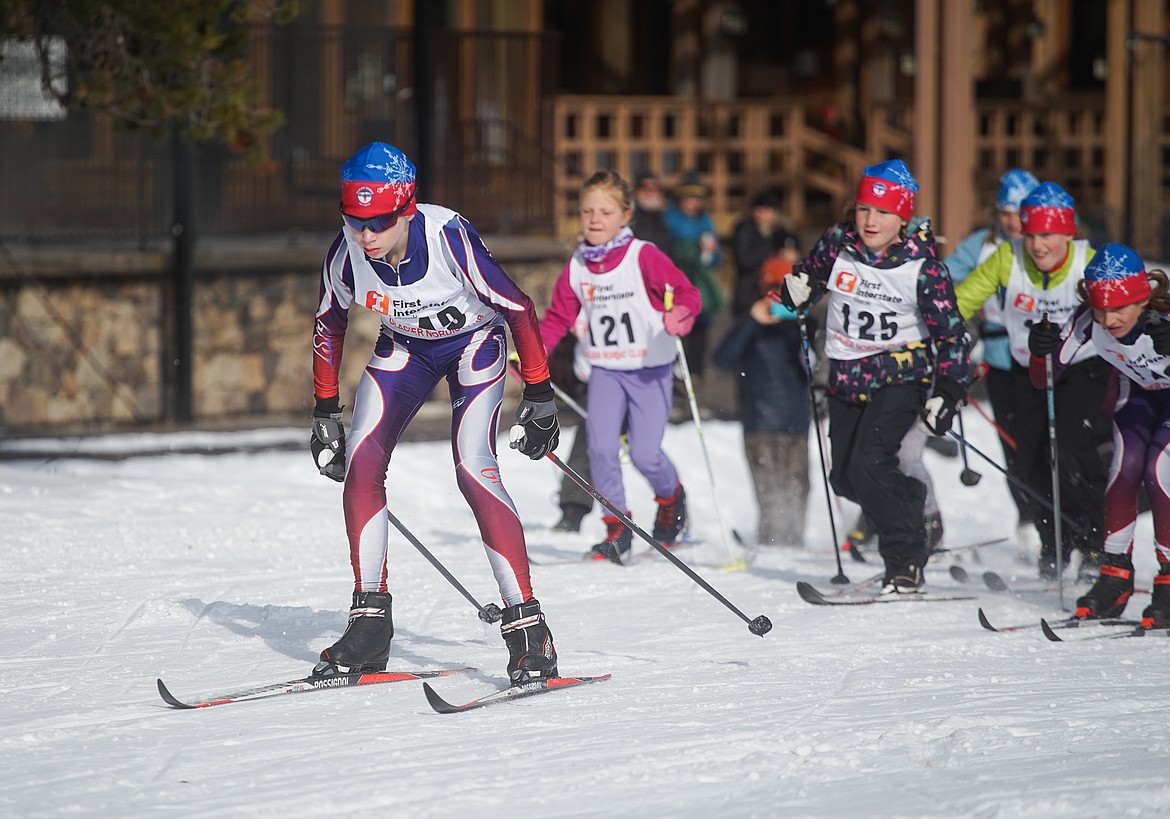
905	579
671	520
571	516
365	645
1110	591
531	655
1157	614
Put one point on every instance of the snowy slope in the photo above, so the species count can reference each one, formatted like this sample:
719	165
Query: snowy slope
217	571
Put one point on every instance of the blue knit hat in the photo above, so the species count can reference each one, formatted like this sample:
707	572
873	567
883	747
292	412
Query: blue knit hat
1013	187
889	186
376	180
1115	277
1048	208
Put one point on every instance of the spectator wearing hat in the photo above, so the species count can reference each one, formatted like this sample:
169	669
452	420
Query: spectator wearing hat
444	304
1123	320
898	351
1014	185
694	248
1040	273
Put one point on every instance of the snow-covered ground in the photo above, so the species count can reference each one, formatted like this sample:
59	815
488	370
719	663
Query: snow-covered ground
222	570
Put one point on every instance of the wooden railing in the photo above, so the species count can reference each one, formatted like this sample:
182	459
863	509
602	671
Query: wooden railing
1062	141
739	148
742	147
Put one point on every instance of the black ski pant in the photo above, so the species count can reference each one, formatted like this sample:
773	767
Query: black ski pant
1001	390
865	439
1082	432
578	460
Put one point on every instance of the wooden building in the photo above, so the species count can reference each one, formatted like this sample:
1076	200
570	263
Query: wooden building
508	104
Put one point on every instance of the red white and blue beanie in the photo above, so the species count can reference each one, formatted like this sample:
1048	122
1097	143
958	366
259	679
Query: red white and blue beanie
1115	277
377	180
1013	187
1048	208
888	186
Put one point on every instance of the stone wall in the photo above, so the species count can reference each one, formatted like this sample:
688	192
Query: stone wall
81	338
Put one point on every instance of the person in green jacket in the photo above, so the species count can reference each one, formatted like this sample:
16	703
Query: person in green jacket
1039	272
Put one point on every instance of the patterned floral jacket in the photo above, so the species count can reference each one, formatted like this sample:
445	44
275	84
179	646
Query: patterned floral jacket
944	355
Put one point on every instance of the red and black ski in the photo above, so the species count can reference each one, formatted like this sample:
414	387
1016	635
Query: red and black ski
515	692
310	683
1070	622
1134	629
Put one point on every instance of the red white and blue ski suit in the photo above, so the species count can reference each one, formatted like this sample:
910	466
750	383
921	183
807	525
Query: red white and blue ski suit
1141	426
443	312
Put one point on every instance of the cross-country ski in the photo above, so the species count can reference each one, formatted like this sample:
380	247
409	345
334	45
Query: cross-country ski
514	692
304	684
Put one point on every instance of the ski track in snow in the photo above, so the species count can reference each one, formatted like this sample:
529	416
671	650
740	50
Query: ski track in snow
221	571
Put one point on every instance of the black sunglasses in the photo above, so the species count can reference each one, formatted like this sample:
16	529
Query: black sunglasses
376	224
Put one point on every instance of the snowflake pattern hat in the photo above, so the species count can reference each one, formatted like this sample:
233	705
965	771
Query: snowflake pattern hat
1013	187
1048	208
1116	277
888	186
378	180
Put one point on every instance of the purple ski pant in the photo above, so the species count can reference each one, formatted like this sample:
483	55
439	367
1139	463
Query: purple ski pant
641	398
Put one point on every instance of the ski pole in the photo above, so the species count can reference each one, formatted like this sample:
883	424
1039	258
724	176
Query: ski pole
489	614
801	317
968	477
686	371
759	626
1050	390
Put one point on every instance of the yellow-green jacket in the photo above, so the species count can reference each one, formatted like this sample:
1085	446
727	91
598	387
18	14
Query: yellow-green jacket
993	274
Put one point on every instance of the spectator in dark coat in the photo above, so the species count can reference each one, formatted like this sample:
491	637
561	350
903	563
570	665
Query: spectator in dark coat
756	239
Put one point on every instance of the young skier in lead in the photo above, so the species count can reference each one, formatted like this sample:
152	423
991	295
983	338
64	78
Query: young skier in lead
444	302
1123	322
894	335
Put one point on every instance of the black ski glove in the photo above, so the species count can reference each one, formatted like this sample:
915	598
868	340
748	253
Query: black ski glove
1044	338
1159	331
327	443
537	431
942	407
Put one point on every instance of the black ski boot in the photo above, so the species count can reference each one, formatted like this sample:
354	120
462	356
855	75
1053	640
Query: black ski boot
618	543
671	520
1110	591
531	653
1157	614
365	645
